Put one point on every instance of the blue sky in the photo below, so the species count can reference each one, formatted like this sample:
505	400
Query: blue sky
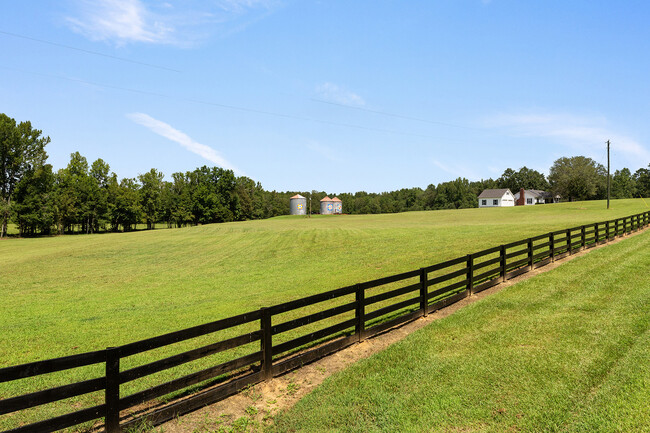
339	96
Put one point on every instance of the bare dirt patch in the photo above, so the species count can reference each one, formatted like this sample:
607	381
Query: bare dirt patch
257	405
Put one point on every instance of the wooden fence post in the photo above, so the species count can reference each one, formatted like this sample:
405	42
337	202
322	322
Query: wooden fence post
503	263
470	273
112	391
360	312
568	241
582	237
424	293
267	344
552	246
530	253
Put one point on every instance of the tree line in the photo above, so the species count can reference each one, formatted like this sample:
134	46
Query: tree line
87	197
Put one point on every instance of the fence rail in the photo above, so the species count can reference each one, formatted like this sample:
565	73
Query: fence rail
371	307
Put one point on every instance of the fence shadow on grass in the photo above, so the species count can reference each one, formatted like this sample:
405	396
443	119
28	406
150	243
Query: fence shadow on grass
261	344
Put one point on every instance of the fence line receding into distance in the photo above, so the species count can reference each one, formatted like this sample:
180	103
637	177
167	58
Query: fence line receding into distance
332	320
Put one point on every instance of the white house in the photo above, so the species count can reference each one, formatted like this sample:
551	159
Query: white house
496	198
534	196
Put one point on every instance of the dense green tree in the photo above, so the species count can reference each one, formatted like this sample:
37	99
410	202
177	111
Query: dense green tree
623	184
22	151
525	178
577	178
127	211
642	181
99	210
150	196
456	194
35	202
78	195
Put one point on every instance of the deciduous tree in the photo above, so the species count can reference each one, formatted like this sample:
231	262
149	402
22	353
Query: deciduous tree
22	150
577	178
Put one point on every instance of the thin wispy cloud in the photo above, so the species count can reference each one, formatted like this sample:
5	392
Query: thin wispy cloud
333	93
581	133
174	22
120	21
169	132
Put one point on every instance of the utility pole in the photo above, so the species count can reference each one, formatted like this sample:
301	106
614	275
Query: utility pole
312	193
608	189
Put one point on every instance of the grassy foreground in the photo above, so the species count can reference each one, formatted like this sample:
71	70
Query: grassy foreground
566	351
70	294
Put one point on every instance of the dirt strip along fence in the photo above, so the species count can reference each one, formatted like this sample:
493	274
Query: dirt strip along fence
336	319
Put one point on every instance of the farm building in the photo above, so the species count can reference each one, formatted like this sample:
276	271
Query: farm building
496	198
534	196
330	206
338	205
298	205
326	206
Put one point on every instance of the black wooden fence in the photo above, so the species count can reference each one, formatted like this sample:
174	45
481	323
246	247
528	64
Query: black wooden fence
368	308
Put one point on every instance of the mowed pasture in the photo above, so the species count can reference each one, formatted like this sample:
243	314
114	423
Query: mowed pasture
565	351
70	294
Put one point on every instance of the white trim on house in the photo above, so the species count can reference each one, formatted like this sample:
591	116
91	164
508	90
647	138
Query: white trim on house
496	198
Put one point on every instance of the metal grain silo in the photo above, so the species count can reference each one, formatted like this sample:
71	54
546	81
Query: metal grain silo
338	205
298	205
326	206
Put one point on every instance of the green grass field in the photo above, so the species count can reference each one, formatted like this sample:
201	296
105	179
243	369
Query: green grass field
566	351
70	294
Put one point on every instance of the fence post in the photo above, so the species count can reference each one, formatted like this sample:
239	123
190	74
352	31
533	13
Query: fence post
530	253
424	293
360	312
552	246
568	241
503	263
112	391
267	344
470	273
582	237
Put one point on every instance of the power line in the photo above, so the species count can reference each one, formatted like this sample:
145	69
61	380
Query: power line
96	53
220	105
399	116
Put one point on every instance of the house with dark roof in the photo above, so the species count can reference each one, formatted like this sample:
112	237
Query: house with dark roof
496	198
535	196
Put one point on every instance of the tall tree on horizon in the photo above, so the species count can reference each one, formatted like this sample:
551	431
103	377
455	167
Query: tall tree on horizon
22	150
525	178
577	178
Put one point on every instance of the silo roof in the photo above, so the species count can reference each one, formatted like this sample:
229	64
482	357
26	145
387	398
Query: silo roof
297	196
336	199
326	198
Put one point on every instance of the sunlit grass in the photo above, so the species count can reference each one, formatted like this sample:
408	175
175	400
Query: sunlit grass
565	351
63	295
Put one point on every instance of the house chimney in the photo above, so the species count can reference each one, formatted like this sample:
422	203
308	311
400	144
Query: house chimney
522	197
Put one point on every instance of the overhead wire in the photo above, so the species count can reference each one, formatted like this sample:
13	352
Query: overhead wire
398	116
220	105
83	50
